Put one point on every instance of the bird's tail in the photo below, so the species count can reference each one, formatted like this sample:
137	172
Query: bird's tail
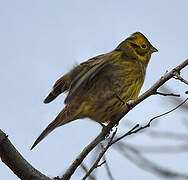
50	97
63	117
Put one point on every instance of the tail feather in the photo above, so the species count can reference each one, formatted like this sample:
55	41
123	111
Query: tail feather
61	85
60	120
48	130
50	98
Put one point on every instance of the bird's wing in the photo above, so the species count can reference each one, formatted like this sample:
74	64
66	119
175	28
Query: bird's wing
91	68
63	83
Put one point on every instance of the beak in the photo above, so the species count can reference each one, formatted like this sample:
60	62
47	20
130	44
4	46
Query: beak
153	49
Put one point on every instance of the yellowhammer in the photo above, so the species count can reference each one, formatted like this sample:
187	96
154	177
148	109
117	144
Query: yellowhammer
98	87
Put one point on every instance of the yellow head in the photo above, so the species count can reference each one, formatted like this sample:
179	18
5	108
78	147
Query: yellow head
137	46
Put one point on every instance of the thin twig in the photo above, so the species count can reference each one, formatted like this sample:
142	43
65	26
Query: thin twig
177	76
99	165
83	166
176	101
100	156
166	94
105	149
149	123
126	134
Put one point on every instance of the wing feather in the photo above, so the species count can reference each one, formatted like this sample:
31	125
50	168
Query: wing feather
94	67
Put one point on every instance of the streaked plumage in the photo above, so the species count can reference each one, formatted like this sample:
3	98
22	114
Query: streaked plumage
96	86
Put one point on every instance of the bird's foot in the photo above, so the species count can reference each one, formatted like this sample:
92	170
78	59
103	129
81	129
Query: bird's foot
103	125
121	100
128	104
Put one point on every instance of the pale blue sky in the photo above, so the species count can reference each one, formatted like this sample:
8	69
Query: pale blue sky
41	39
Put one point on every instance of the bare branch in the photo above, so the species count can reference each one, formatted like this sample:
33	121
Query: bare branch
15	161
95	165
177	76
165	94
174	100
126	134
91	177
67	175
163	114
99	165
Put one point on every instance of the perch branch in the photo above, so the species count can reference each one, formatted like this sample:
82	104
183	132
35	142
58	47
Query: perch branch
14	160
95	165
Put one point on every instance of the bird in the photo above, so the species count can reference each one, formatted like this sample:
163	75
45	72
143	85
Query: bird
97	88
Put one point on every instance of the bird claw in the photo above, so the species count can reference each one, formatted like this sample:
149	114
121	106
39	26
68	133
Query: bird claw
121	100
103	125
128	104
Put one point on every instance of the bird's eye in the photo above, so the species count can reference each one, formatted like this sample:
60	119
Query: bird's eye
143	46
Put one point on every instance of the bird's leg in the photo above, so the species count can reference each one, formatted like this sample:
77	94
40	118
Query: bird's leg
103	125
128	104
124	103
119	98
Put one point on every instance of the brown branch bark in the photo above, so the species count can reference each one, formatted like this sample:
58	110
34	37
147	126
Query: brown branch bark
165	94
99	157
14	160
90	177
180	78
